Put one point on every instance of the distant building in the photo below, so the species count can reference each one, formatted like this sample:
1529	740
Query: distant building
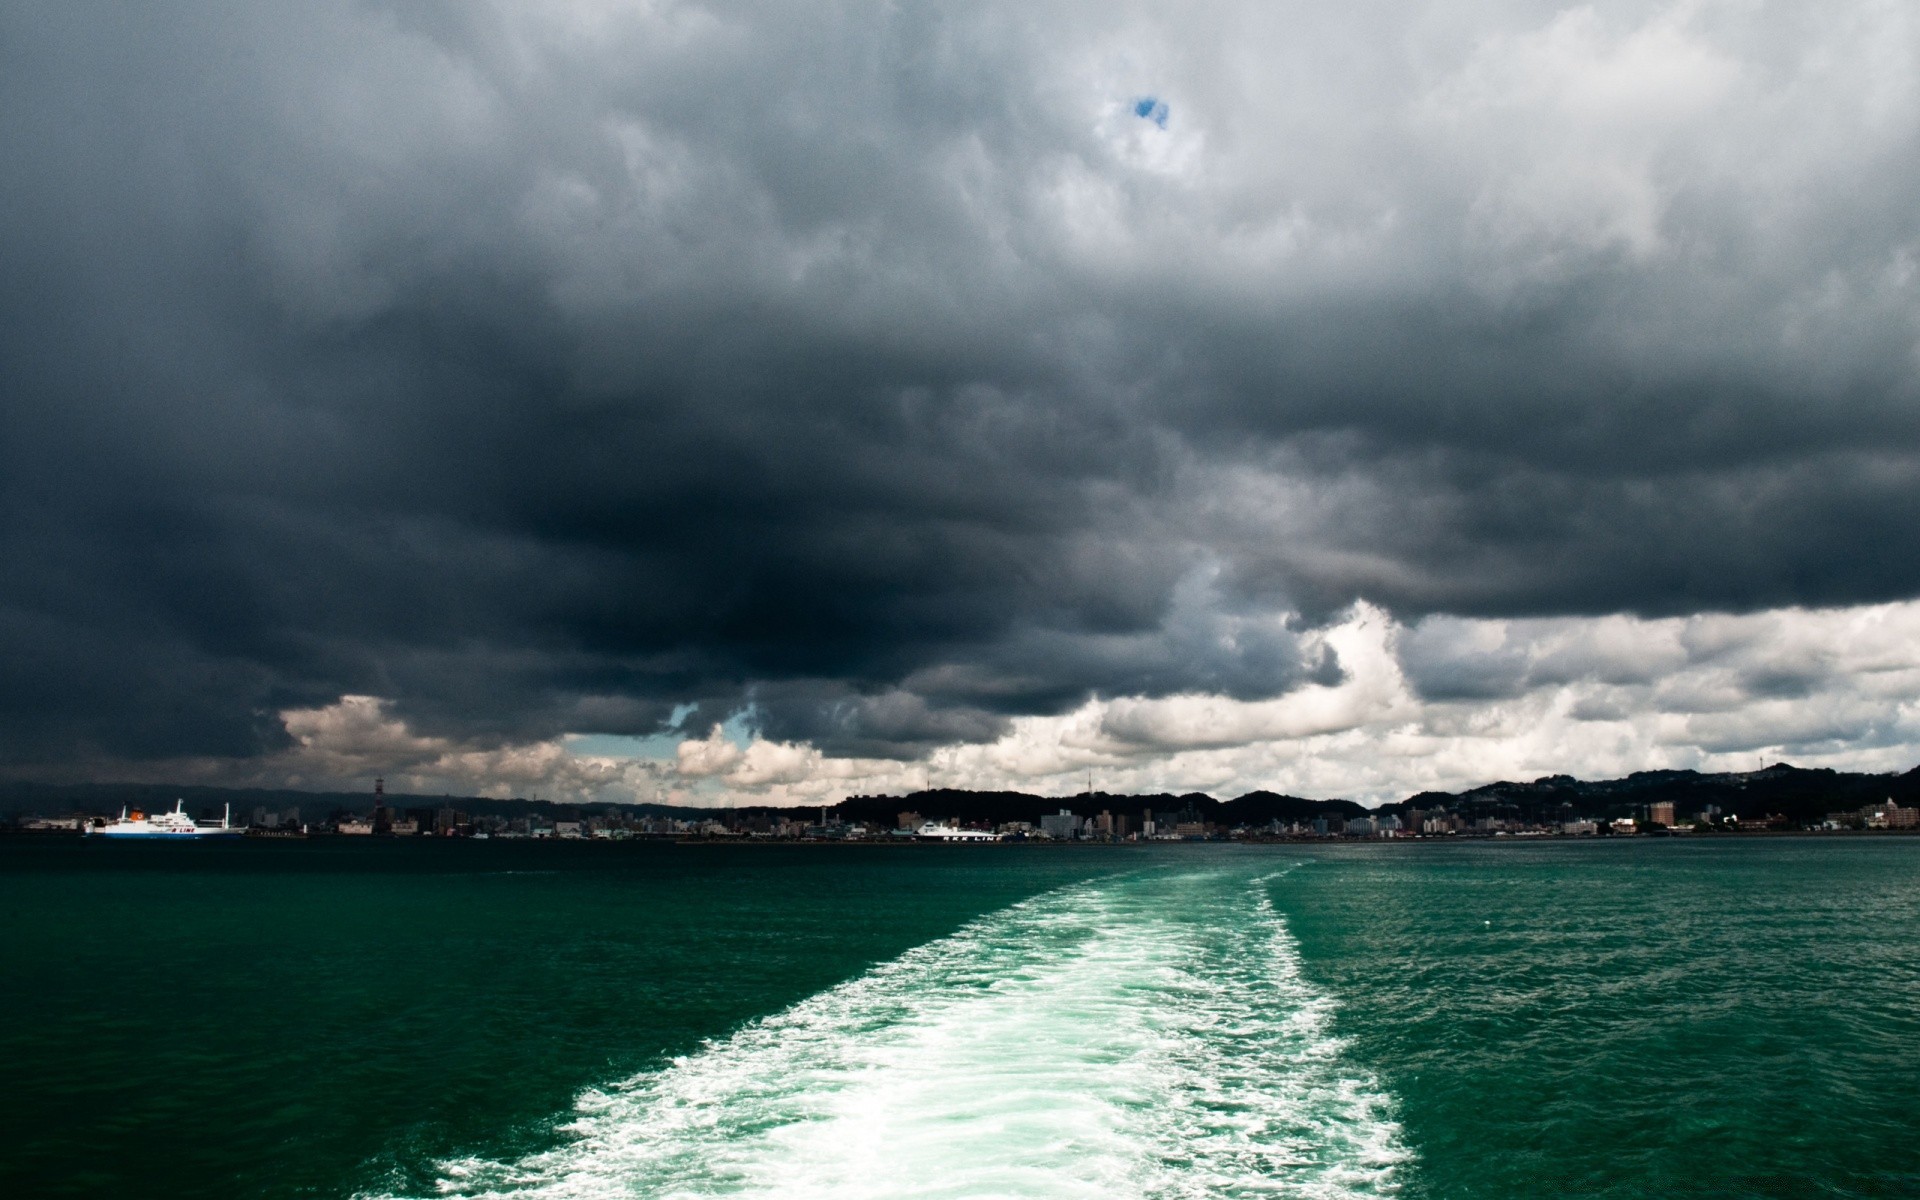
382	815
1063	824
1660	812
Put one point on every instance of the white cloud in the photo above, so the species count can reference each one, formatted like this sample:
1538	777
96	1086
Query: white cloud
714	754
1373	692
346	744
1595	697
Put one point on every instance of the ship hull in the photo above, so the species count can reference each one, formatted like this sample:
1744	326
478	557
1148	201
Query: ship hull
162	835
142	831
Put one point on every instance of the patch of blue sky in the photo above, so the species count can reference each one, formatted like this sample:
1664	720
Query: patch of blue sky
740	728
1152	108
742	725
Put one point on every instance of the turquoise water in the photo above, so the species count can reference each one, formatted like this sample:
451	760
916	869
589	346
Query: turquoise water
394	1019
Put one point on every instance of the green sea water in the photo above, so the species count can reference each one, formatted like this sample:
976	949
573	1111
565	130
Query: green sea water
360	1019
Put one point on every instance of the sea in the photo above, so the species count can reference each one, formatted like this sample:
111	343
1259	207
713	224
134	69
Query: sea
361	1019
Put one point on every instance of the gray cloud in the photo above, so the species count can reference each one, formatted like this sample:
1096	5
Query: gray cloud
545	367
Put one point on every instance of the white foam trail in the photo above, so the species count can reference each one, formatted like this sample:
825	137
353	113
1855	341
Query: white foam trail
1150	1036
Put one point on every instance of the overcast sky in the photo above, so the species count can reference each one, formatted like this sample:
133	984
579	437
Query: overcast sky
612	399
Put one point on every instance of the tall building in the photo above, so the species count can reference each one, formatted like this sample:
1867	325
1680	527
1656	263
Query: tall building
1660	812
1062	824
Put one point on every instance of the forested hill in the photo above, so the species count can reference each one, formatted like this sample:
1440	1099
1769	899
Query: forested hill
1255	808
1797	793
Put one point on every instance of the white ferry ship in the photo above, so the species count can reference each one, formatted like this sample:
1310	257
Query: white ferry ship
175	824
931	832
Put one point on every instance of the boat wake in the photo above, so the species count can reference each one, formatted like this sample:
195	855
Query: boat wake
1146	1036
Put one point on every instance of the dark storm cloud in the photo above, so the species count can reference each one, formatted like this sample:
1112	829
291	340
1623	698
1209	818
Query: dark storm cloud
893	371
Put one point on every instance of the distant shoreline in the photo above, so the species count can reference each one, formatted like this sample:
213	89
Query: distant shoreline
14	834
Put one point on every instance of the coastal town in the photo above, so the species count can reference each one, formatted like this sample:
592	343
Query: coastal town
956	817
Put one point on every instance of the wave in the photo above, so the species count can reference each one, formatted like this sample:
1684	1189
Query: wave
1148	1036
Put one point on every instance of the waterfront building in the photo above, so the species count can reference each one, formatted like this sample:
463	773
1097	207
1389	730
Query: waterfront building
50	824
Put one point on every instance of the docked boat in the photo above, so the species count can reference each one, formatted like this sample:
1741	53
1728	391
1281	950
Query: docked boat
176	824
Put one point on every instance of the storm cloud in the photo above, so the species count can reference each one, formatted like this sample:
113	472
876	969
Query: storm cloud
888	379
